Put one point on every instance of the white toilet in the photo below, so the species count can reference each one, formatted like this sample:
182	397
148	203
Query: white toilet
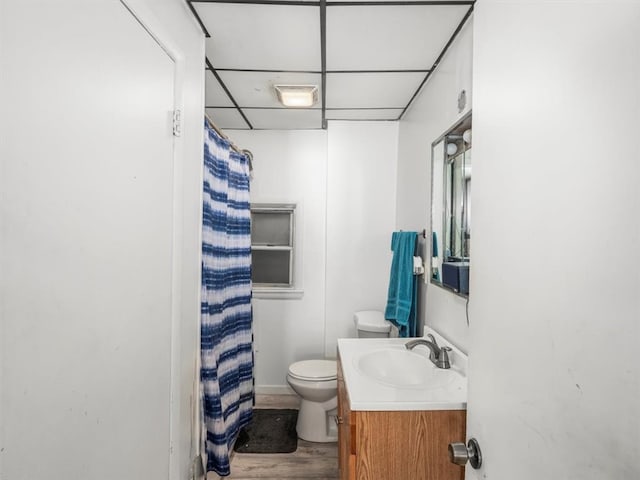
371	324
315	381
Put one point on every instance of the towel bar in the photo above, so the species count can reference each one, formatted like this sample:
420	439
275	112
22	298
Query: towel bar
422	234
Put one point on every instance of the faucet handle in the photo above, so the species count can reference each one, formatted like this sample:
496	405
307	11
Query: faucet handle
443	358
432	338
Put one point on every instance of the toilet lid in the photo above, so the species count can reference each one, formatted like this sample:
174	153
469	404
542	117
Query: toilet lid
371	321
317	370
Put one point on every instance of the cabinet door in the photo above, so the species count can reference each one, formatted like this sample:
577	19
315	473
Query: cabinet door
396	445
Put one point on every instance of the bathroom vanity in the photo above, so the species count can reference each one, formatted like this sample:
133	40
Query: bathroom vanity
396	414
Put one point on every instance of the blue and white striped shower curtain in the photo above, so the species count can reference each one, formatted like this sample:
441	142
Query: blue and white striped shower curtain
226	336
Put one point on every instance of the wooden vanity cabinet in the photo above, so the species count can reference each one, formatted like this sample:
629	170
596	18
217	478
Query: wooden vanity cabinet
346	447
396	445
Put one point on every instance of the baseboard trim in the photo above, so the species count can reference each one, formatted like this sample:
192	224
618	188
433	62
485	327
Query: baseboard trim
274	390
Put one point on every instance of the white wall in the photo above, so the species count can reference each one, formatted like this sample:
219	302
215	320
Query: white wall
343	180
361	199
554	372
290	167
50	105
434	111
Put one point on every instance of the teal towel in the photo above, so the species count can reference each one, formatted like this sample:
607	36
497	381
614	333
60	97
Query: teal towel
434	244
403	288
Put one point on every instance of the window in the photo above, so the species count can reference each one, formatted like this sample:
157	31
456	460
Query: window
272	233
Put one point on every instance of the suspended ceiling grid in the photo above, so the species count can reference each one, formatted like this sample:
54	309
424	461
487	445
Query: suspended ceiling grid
368	58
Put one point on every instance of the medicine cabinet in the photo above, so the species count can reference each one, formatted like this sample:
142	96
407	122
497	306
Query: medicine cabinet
451	167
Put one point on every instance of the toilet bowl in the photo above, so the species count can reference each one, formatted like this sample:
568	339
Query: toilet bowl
315	381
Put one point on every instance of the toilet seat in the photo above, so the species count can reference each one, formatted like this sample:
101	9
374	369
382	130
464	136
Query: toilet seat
314	370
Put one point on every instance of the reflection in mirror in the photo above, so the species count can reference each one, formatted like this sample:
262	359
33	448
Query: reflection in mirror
451	208
457	187
437	210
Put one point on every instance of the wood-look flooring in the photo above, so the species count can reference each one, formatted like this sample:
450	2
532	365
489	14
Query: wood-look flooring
313	461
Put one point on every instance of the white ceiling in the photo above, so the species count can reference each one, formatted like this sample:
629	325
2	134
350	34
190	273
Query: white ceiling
377	54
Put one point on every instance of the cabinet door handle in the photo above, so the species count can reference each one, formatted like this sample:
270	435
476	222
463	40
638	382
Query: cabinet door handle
338	420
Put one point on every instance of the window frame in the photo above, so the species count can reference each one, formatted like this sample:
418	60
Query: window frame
290	209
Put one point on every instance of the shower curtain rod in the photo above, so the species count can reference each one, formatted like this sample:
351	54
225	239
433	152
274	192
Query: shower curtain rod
245	152
219	132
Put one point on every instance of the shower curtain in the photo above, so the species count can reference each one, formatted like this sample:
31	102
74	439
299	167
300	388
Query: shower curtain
226	316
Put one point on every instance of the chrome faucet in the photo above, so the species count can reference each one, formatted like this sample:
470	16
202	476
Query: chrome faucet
438	356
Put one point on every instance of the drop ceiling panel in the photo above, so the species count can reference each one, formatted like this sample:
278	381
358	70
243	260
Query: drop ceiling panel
364	114
388	37
262	37
284	118
215	96
372	90
226	118
255	89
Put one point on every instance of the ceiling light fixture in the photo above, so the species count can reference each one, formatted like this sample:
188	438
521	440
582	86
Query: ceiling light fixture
297	95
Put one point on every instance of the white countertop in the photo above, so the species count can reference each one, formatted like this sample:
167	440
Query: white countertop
366	393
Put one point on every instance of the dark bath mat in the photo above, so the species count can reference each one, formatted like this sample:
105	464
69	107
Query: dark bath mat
270	431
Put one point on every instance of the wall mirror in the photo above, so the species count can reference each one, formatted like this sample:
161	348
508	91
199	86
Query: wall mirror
451	208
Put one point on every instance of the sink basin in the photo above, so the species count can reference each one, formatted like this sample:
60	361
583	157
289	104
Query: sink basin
380	374
399	367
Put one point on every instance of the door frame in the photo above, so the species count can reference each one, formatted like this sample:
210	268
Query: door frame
147	20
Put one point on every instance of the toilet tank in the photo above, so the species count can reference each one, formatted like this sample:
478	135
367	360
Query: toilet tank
371	324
